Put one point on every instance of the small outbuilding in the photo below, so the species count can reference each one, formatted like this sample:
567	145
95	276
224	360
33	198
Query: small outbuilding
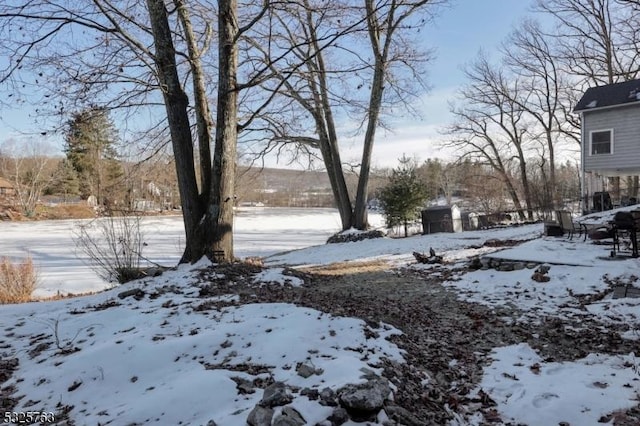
441	219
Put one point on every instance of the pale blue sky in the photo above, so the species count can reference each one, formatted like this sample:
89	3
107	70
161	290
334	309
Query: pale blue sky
465	27
460	30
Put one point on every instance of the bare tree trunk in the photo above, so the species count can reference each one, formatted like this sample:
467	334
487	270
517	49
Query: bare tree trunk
615	184
552	184
327	129
331	159
526	188
176	104
514	197
220	209
380	52
360	209
204	124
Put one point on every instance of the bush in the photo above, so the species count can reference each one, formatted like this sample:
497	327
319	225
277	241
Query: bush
114	246
17	280
403	197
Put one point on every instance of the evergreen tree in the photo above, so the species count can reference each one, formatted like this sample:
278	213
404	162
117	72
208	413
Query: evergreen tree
65	181
403	197
90	147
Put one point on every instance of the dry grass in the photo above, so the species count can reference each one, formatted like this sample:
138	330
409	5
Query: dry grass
17	280
254	261
62	296
344	268
65	211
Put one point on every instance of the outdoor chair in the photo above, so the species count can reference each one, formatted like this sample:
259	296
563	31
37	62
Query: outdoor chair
625	224
563	217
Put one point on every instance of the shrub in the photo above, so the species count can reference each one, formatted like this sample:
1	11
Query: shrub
17	280
113	245
403	197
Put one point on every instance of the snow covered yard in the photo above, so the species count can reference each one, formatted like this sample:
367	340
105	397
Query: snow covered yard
524	387
198	346
170	358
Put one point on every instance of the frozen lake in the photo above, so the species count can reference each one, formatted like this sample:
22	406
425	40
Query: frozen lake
258	232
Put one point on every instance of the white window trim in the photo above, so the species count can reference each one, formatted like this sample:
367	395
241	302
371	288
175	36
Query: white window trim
591	141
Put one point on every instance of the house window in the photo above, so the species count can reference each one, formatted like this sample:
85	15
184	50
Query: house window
601	142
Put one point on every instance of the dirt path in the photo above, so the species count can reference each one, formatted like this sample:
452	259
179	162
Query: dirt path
446	340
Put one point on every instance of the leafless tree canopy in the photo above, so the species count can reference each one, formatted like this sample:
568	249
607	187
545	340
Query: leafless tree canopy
515	113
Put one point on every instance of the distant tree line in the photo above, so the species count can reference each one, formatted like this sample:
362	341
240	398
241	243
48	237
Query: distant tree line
476	187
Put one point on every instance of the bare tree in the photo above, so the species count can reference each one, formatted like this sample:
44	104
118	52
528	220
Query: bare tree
356	64
599	39
492	127
386	21
29	166
114	65
544	94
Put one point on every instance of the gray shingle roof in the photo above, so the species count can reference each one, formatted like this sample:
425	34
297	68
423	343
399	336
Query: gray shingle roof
609	96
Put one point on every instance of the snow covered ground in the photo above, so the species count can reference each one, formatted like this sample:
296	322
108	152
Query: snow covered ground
162	360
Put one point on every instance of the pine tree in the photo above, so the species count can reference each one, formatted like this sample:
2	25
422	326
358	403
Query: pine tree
404	195
90	147
65	181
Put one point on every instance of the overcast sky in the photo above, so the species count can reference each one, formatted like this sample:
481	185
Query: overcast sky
457	34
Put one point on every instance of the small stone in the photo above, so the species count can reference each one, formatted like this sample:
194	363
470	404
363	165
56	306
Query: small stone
368	374
312	394
541	278
244	386
531	265
475	263
305	370
518	266
338	417
366	398
505	267
135	292
260	416
401	415
328	397
275	395
289	417
543	269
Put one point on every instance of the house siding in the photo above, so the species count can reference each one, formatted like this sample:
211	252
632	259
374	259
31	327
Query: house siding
625	123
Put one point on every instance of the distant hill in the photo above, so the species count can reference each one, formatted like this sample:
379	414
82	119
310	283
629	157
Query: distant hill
282	179
294	188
